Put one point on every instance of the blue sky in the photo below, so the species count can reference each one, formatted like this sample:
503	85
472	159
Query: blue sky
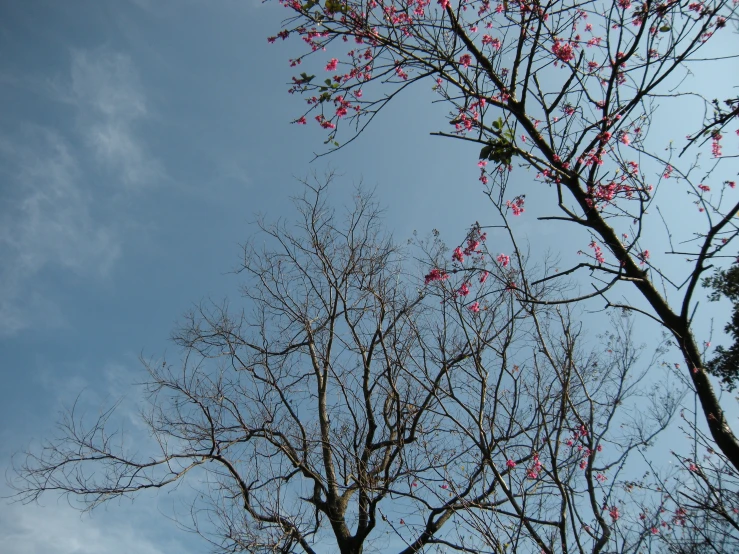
137	143
138	140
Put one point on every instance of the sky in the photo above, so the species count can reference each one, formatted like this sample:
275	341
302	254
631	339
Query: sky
139	141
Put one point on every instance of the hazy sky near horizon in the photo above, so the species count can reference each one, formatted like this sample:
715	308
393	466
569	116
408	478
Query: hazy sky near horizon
138	141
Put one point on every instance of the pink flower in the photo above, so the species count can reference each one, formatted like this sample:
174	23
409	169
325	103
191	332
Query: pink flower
474	307
716	144
436	275
510	464
331	66
465	60
301	121
504	260
625	139
464	290
563	51
516	205
704	188
597	252
613	512
533	471
458	256
494	42
484	277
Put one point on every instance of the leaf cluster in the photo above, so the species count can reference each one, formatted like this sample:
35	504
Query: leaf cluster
725	283
500	150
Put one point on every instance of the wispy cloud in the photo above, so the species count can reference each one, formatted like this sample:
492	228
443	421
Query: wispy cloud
105	88
60	185
61	530
47	223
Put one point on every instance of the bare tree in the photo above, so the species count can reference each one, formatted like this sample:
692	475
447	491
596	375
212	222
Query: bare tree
568	90
352	406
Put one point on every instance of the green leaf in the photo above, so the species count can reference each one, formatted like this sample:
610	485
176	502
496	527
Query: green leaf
486	150
665	28
335	6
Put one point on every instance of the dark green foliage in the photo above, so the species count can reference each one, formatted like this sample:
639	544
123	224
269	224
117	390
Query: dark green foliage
500	150
725	283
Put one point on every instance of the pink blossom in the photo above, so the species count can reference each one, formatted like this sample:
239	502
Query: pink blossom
704	188
464	290
613	512
533	471
465	60
563	51
494	42
516	205
484	277
504	260
510	464
458	256
301	121
436	275
474	307
331	66
716	144
597	252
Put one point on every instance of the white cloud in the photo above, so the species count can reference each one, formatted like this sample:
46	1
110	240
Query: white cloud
105	88
47	222
58	529
61	195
